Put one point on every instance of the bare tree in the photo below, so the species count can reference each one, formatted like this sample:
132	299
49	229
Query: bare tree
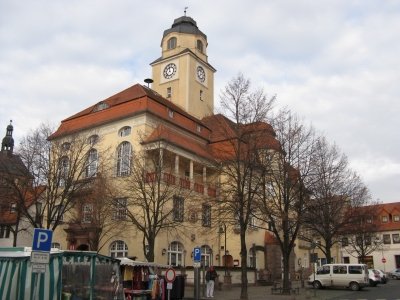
364	237
285	180
337	192
236	136
64	166
98	215
156	200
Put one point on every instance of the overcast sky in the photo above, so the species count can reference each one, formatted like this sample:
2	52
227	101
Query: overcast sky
335	63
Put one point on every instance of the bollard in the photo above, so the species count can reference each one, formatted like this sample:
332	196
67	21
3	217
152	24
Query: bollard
307	294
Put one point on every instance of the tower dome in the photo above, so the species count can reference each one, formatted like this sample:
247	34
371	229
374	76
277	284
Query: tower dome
8	142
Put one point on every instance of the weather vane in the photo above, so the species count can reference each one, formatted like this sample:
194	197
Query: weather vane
185	10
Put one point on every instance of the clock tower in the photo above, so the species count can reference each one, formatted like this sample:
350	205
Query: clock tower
182	74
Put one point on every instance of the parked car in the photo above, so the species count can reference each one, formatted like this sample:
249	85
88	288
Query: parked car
395	274
384	277
353	276
374	277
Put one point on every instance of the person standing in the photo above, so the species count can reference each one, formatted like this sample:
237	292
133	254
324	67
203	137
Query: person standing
210	278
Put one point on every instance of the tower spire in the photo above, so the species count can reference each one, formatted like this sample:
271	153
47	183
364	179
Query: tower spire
7	145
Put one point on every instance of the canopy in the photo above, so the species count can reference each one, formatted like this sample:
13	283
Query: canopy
129	262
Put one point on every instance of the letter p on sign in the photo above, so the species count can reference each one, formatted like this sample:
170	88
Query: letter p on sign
42	239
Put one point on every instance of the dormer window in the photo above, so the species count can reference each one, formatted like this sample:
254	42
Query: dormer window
396	218
101	106
171	44
170	113
384	219
200	45
125	131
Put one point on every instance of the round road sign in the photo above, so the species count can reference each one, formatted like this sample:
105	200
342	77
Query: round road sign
383	260
170	275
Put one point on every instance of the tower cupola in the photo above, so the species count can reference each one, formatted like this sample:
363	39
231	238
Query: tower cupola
7	145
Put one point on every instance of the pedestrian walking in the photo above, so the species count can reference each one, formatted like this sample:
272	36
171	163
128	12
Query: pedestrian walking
210	278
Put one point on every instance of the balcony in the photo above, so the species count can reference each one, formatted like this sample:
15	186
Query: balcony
198	188
212	192
151	177
185	183
169	178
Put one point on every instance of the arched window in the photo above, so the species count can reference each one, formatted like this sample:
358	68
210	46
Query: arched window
123	159
171	44
175	254
119	249
125	131
93	140
64	170
252	255
65	147
91	163
206	255
200	45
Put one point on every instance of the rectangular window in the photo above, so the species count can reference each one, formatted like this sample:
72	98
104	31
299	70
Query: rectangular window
369	220
2	229
201	95
396	238
367	240
206	215
13	207
384	219
87	213
169	92
170	113
198	127
386	238
270	189
60	212
8	231
178	210
345	242
358	241
396	218
253	221
120	208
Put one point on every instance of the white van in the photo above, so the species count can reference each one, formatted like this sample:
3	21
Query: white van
353	276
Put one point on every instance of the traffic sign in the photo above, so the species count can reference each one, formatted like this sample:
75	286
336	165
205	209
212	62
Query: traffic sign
42	239
197	264
40	268
170	275
197	254
38	257
383	260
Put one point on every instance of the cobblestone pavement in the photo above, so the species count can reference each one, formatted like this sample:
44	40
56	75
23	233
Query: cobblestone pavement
264	292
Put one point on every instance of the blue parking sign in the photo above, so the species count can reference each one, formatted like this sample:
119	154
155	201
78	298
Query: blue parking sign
197	254
42	239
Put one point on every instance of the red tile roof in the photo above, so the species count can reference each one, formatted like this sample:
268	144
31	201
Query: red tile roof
31	195
132	101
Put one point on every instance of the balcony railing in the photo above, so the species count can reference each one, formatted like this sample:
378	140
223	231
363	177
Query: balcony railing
185	184
199	188
169	178
212	192
151	177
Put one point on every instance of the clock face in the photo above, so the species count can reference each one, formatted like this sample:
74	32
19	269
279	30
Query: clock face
201	75
169	71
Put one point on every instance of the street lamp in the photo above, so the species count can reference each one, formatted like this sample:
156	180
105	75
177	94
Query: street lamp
221	231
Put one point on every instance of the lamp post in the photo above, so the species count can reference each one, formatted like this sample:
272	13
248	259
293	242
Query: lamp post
221	231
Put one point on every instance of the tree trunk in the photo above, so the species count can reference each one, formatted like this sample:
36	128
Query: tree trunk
243	256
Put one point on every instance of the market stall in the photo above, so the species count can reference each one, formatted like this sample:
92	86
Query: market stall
140	280
69	275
